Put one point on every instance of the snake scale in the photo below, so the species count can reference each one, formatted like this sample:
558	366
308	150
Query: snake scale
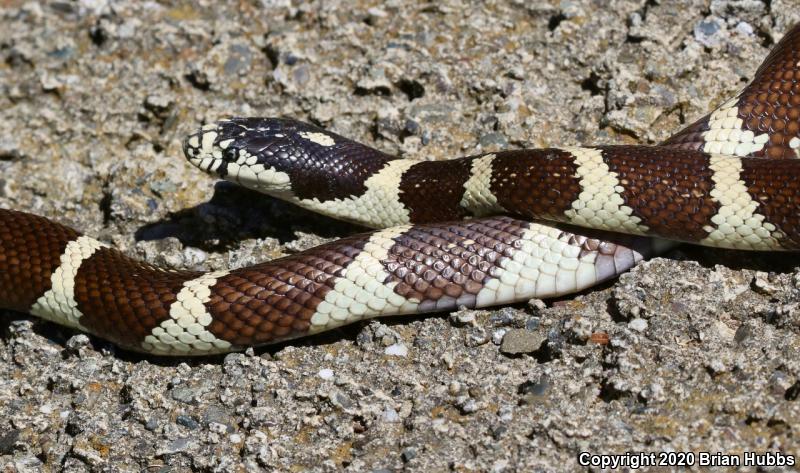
463	232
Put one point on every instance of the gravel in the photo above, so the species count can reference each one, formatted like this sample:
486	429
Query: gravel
697	350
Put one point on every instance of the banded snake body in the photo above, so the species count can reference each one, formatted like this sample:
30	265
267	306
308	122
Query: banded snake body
731	179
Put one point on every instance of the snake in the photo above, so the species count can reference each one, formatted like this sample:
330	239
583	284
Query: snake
477	231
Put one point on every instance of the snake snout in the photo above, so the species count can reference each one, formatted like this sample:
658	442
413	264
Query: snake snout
191	151
204	148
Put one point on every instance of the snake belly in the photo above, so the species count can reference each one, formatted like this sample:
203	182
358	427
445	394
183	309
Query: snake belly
464	232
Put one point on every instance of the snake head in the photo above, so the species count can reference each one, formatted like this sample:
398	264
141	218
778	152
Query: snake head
284	158
259	153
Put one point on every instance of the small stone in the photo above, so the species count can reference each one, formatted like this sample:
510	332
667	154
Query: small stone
571	9
184	394
519	341
536	388
505	413
412	127
96	7
219	416
475	391
724	332
10	150
77	342
448	360
398	349
375	82
716	367
7	442
743	333
477	336
30	463
194	257
217	428
408	454
516	72
493	140
50	83
157	102
469	406
707	32
763	283
503	317
386	335
639	325
744	28
233	364
364	337
537	305
163	187
390	415
187	422
497	432
301	75
238	60
326	374
779	382
654	391
341	400
291	59
579	328
463	317
127	29
176	446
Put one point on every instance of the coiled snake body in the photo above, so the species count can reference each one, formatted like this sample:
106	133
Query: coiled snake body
731	179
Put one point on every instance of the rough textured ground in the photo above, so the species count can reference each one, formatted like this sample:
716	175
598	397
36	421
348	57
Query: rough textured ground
694	351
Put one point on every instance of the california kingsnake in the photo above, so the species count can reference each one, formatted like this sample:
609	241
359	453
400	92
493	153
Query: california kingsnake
727	180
